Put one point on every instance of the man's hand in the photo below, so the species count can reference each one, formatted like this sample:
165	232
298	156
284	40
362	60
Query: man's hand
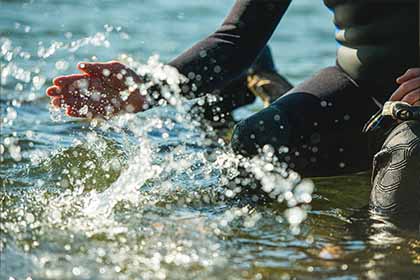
409	90
102	90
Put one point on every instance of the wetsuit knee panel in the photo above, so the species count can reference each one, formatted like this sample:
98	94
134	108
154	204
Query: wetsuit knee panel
267	127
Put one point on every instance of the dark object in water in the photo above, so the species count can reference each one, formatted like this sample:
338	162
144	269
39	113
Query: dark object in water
396	172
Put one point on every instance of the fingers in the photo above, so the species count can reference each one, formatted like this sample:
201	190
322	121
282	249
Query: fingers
56	91
97	91
60	102
56	102
91	68
73	112
412	98
63	85
77	107
406	88
410	74
64	81
79	88
86	111
113	73
53	91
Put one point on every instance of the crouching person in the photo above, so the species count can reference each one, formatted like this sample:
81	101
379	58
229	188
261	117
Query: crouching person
320	122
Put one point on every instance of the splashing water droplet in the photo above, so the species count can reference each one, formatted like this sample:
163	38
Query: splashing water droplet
56	114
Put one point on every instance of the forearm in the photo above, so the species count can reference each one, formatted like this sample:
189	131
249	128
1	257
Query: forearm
223	56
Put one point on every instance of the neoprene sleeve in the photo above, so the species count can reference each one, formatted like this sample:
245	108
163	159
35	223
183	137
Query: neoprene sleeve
378	41
227	53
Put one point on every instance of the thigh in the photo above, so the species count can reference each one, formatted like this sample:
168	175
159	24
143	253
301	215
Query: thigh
320	121
326	114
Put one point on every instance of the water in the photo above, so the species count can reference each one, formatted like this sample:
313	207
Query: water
152	196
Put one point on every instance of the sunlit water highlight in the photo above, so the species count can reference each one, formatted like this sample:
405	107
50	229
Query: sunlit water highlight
158	195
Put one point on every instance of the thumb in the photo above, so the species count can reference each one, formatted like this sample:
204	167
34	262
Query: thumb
102	68
90	68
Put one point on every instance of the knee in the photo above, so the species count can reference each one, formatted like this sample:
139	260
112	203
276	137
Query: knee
243	139
267	127
396	178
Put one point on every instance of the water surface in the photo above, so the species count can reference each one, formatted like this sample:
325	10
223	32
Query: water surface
152	196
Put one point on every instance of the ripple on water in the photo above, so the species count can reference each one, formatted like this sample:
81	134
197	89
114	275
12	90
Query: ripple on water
158	195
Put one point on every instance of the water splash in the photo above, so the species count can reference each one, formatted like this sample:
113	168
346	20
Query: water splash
147	195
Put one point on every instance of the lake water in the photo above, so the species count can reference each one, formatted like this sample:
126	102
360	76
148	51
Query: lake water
152	196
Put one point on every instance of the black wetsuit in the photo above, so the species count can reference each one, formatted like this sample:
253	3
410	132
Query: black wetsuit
321	119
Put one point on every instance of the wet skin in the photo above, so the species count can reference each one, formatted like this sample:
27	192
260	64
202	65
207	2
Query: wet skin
106	89
100	91
409	89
